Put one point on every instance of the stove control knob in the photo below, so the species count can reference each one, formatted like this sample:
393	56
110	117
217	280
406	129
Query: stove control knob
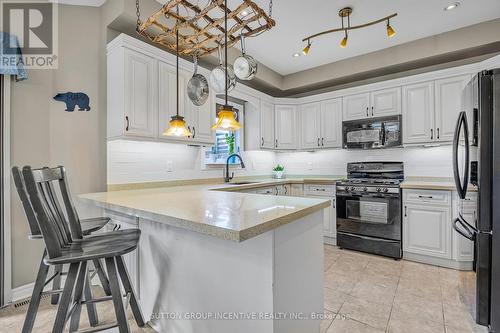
386	190
379	189
354	189
365	189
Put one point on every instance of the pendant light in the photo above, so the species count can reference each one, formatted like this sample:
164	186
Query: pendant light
177	123
226	120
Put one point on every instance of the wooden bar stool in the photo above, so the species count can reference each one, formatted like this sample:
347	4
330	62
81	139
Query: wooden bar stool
89	226
62	250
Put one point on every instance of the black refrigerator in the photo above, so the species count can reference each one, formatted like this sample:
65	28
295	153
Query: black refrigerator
476	160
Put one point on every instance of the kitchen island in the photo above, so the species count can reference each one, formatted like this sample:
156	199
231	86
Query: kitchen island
217	261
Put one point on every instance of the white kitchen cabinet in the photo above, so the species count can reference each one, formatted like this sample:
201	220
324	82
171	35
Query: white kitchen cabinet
331	123
330	214
321	124
426	223
297	190
379	103
310	119
448	104
418	112
286	137
386	102
267	125
132	85
200	120
426	230
356	106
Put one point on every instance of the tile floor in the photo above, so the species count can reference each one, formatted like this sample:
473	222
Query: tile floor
363	293
367	293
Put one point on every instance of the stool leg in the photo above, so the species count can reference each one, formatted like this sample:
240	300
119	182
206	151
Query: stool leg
134	304
114	284
36	296
62	309
56	284
77	298
102	276
91	308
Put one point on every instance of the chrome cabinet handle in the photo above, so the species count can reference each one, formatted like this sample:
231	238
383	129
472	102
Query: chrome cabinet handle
276	144
372	111
406	211
367	111
189	129
425	196
318	142
432	134
262	142
194	132
438	133
126	128
322	141
286	190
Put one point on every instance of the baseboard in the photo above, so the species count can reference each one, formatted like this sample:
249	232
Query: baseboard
329	240
458	265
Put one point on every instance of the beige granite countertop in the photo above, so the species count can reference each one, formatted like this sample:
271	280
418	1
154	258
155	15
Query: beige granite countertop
211	209
432	183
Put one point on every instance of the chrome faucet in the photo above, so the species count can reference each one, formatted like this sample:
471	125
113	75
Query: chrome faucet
227	177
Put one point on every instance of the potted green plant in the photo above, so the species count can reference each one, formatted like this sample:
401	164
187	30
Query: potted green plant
230	140
278	171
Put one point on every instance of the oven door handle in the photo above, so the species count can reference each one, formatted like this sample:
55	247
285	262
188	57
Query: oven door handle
366	237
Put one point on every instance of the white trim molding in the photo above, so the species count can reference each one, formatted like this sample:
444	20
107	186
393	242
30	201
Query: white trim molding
6	192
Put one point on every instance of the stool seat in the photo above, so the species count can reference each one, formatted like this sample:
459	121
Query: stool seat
93	224
97	249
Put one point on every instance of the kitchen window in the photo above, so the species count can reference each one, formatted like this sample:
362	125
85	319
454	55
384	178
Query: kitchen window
224	140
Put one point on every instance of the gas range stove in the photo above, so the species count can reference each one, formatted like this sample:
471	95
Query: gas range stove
372	177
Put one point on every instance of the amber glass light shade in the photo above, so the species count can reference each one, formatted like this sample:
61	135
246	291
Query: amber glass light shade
177	127
343	43
390	31
226	120
306	49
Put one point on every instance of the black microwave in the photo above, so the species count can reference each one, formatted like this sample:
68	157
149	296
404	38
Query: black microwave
372	133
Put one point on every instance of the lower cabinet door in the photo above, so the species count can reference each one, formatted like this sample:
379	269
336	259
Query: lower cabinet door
463	248
426	230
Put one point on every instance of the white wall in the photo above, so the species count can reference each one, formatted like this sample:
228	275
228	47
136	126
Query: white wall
142	161
418	161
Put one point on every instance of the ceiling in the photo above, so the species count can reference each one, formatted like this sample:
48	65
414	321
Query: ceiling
297	19
91	3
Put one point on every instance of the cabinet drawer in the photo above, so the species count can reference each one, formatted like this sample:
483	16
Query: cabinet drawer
322	190
427	196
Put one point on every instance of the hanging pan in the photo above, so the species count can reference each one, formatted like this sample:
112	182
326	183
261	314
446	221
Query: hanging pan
245	66
197	87
218	75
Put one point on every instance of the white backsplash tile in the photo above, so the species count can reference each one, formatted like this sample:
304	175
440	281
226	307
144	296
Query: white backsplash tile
141	161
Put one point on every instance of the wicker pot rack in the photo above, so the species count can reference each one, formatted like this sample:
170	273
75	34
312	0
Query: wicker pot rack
201	29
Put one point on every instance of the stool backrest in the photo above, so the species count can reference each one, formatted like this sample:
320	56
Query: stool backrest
28	209
57	228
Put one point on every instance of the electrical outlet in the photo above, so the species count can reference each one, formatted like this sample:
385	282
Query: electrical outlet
170	166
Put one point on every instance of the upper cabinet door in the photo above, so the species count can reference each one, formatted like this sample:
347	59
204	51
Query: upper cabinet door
418	113
449	103
331	123
140	94
267	125
356	106
310	122
167	98
385	102
201	120
286	126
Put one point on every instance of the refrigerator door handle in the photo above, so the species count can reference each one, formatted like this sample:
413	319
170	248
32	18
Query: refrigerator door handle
465	229
461	122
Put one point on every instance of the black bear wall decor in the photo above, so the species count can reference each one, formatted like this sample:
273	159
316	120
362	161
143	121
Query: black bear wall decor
73	99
